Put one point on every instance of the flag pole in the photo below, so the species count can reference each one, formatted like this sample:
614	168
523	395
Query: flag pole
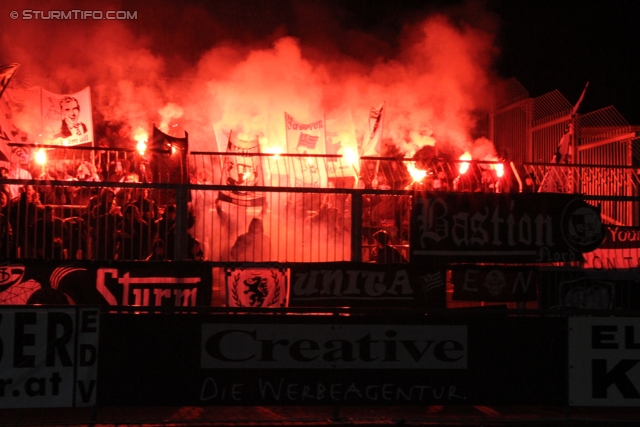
382	114
574	135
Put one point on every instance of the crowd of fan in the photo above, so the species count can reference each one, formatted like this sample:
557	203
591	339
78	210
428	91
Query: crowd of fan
88	222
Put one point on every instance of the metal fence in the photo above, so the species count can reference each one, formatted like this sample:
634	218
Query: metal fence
338	222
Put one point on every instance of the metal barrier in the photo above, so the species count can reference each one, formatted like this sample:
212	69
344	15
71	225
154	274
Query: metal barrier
209	221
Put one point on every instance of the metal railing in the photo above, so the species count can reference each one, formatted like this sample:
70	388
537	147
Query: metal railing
335	222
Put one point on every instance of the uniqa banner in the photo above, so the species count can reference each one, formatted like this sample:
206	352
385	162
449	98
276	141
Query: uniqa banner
490	227
351	284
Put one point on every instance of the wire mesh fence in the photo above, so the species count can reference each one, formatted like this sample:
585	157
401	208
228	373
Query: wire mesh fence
219	222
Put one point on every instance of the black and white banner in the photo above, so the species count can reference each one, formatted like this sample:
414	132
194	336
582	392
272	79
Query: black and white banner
604	361
494	284
620	250
257	287
48	357
367	285
518	227
128	284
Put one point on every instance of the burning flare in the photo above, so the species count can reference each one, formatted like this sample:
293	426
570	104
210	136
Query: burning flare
499	167
464	166
141	137
41	157
416	174
350	156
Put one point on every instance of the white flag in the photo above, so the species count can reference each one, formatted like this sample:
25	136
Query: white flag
372	144
307	138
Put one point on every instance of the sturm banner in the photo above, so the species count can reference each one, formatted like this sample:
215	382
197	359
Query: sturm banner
367	285
127	284
538	228
48	357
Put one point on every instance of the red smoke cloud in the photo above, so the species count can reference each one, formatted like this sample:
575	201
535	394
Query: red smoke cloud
218	67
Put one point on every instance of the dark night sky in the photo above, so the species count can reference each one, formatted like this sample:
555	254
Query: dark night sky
551	44
561	45
545	44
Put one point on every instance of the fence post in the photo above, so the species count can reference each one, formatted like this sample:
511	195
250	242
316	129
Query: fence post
356	226
180	249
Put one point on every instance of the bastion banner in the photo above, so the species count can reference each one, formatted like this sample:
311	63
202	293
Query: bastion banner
518	227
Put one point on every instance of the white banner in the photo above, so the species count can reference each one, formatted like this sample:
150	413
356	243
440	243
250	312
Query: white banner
341	139
604	361
372	144
67	119
48	357
307	138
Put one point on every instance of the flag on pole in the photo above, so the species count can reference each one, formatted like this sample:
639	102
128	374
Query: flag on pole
342	140
6	73
372	144
242	170
167	156
557	180
20	107
7	131
307	141
574	110
306	138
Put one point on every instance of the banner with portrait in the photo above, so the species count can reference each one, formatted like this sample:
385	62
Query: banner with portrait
67	118
243	170
20	121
